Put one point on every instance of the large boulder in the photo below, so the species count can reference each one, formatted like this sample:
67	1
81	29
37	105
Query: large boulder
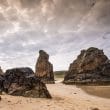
91	66
23	82
43	68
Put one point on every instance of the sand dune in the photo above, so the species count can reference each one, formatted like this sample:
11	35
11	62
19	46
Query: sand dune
65	97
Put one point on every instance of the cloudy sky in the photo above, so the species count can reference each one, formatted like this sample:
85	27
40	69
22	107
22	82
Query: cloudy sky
60	27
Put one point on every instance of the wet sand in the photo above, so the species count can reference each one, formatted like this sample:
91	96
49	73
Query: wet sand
65	97
100	91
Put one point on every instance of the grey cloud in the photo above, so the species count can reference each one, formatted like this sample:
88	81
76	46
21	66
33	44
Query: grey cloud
97	18
2	18
12	15
3	2
61	27
29	3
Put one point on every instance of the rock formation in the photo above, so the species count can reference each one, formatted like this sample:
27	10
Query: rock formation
44	69
23	82
91	66
1	71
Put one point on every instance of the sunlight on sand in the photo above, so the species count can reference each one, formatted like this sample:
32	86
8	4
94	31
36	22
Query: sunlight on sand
65	97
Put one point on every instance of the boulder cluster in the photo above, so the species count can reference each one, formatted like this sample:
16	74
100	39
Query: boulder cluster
91	66
43	68
23	82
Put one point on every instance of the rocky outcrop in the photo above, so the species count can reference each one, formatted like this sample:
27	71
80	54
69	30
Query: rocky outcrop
91	66
44	69
1	71
23	82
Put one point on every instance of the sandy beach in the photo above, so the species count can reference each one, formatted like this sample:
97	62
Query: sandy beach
65	97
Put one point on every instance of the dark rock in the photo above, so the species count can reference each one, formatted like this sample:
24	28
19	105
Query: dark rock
91	66
44	69
1	83
95	109
23	82
0	98
1	71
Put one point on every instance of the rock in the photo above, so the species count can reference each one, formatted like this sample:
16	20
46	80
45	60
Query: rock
1	83
23	82
44	69
0	98
1	80
95	109
91	66
1	71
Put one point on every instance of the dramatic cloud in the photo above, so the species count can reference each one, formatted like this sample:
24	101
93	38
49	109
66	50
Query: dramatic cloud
60	27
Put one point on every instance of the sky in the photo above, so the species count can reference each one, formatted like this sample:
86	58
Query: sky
60	27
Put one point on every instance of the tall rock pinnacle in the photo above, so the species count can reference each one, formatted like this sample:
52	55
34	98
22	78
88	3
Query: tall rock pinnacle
43	68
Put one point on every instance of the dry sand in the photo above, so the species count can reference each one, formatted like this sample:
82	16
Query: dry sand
65	97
